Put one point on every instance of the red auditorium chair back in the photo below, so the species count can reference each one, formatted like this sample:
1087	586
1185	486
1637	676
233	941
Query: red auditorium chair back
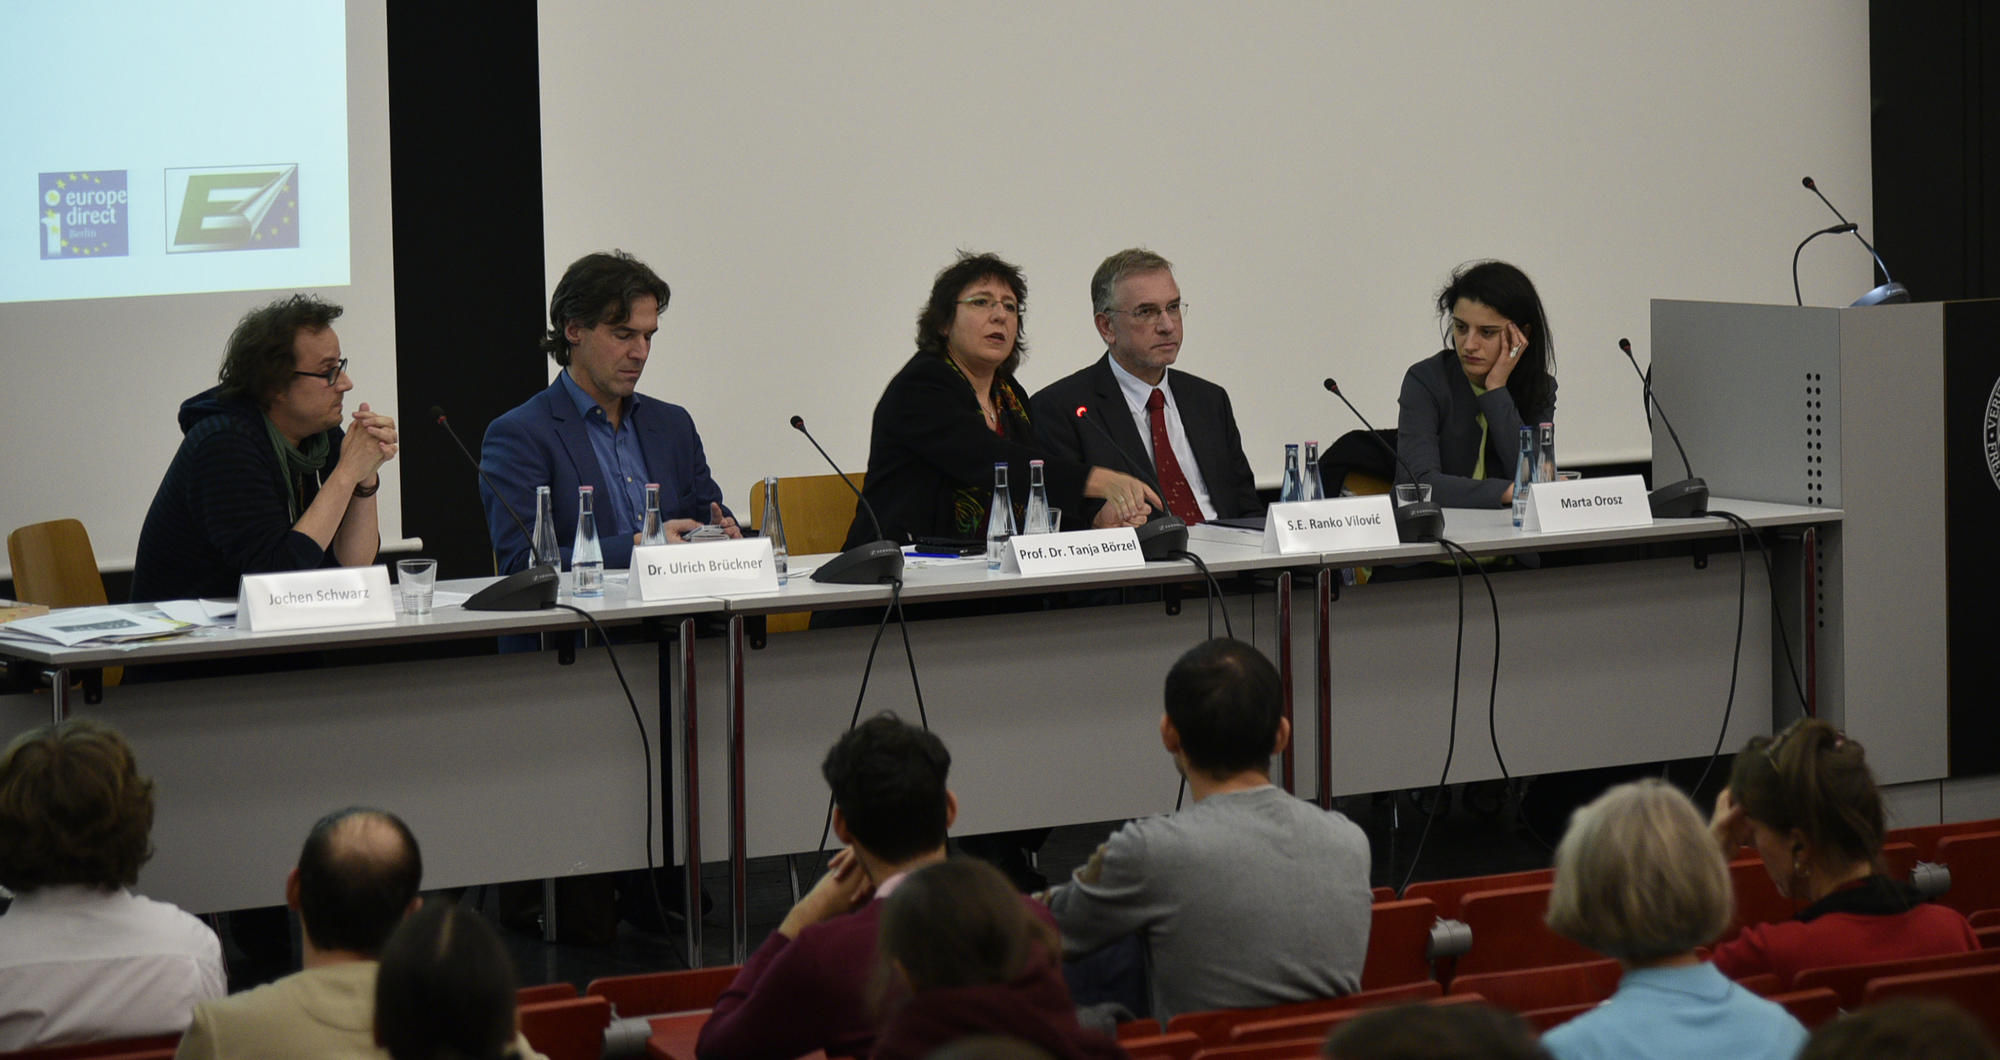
1318	1026
1810	1007
529	995
1508	932
1446	893
1399	939
1213	1027
150	1047
1977	990
1556	985
570	1029
1181	1045
656	993
1974	861
1925	837
1850	981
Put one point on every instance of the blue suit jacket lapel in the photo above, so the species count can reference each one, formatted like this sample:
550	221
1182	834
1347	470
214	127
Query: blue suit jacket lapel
575	439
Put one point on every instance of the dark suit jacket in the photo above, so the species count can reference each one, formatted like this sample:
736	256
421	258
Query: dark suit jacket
1437	432
541	442
931	457
1206	417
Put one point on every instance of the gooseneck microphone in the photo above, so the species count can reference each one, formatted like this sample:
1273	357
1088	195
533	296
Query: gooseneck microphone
870	563
1164	534
1832	230
1422	521
533	589
1889	292
1675	500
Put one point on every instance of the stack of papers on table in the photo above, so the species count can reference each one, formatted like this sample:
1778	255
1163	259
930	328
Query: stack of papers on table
91	625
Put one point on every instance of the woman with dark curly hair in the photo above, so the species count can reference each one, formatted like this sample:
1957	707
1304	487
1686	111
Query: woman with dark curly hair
81	957
954	410
1807	802
1463	407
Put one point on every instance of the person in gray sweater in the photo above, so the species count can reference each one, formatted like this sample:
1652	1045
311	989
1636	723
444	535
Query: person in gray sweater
1250	897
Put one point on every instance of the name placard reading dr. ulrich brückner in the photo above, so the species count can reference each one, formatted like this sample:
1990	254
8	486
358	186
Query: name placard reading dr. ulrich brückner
704	568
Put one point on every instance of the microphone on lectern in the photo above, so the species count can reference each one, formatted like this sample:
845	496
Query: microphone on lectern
1675	500
1421	521
533	589
1164	534
868	563
1890	291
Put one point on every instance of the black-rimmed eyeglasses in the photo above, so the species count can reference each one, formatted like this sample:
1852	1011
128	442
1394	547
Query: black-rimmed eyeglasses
331	375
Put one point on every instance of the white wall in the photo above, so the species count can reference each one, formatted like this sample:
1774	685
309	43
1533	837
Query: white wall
799	172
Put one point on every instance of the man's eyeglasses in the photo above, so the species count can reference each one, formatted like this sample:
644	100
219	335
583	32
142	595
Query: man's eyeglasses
331	375
984	302
1147	314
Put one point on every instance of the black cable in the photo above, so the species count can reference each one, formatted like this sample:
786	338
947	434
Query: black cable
645	747
895	607
1777	616
896	601
1451	740
1215	599
1736	656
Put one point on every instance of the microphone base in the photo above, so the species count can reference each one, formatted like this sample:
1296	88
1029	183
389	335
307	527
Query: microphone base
1891	293
1679	500
1161	537
533	589
1422	521
868	564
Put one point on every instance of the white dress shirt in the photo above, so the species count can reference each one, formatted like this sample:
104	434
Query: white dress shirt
79	964
1137	390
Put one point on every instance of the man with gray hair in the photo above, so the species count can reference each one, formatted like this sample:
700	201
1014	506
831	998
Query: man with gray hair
1177	428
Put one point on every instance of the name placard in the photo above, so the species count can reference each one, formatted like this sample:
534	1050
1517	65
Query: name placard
704	568
1330	525
1075	550
1587	504
314	599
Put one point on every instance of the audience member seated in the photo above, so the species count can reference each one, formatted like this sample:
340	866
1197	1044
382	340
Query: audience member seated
81	957
1808	804
446	990
806	987
1250	897
962	956
1910	1029
1638	878
356	879
1435	1032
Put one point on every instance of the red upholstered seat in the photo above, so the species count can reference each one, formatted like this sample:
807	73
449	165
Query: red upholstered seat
1977	990
1446	893
653	993
1850	981
1528	989
1213	1027
1974	861
1925	837
570	1029
1399	937
1508	932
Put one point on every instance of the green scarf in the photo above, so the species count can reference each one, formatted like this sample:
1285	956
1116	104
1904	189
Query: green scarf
295	461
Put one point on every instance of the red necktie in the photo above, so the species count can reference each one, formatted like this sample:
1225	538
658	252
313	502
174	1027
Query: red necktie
1173	483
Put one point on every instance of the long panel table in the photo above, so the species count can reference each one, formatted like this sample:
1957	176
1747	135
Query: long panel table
1051	716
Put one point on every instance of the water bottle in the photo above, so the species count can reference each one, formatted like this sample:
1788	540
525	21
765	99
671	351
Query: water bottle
1545	454
1037	519
999	520
1524	464
774	526
1293	488
652	533
544	544
586	556
1314	490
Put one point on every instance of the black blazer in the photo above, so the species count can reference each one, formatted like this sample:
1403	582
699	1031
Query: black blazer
1437	432
1206	417
931	457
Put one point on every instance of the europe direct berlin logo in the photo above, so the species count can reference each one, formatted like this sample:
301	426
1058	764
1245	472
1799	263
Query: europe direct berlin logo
85	214
233	208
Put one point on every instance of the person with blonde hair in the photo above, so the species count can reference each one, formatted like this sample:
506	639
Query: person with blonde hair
1807	802
1638	878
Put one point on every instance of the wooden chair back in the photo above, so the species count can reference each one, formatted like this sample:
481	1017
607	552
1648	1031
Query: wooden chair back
817	510
55	566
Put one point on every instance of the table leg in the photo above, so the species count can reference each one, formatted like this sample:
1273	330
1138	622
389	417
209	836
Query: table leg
1323	685
690	797
739	917
1285	668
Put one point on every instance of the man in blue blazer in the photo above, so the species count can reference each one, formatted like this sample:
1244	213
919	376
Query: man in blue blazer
1138	313
590	428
